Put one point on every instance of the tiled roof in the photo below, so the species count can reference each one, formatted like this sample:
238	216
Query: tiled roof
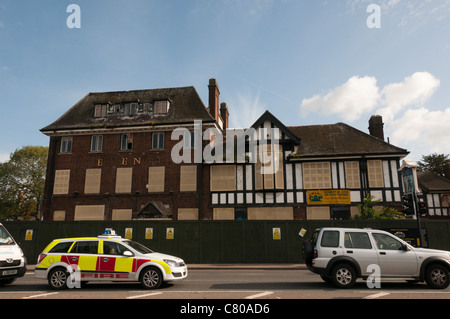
340	139
185	106
432	183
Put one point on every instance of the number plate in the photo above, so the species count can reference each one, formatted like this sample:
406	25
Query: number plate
9	272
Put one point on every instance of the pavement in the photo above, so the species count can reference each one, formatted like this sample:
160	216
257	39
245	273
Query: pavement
234	266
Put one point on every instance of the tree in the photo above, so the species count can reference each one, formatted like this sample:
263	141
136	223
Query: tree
367	210
434	163
22	181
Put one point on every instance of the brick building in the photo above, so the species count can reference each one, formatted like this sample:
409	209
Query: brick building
114	155
110	155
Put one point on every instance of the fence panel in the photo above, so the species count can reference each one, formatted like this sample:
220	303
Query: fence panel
211	241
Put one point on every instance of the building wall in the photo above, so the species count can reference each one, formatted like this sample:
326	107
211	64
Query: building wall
109	161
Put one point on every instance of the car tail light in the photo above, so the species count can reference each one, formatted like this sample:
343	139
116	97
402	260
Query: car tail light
315	255
41	257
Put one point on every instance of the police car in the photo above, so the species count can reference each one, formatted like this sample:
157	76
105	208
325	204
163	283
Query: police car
70	261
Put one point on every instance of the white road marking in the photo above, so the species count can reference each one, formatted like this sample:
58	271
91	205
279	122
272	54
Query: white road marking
144	295
266	293
40	295
378	295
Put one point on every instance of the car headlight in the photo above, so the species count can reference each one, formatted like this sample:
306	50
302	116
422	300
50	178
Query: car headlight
171	263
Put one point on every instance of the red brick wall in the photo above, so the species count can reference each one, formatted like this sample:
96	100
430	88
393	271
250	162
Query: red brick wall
140	158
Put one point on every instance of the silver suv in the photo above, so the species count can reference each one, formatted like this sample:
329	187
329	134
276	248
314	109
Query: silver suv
341	255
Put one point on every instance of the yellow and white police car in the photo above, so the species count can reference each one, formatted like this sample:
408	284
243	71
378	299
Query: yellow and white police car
70	261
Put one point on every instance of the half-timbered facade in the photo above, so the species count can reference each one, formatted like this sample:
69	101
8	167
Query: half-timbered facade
324	172
162	154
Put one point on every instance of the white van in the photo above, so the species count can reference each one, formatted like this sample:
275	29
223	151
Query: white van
13	263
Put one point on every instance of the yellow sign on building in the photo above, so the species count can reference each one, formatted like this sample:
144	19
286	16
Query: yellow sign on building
169	233
328	197
276	233
149	233
128	233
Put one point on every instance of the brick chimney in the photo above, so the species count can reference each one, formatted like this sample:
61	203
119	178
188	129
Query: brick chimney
376	126
214	93
224	114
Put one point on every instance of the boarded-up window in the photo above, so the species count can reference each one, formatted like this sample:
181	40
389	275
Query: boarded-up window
187	213
269	171
100	110
89	212
92	182
188	178
161	107
352	179
123	179
375	172
316	175
61	185
223	178
223	213
59	215
318	213
156	176
122	214
270	213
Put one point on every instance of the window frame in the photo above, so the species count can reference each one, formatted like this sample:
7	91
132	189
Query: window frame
158	140
126	142
310	176
270	180
66	145
96	143
161	107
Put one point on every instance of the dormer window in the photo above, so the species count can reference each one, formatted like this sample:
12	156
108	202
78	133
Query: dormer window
130	108
161	107
101	110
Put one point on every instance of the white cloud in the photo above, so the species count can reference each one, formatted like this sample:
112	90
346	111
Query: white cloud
422	131
354	98
414	90
408	123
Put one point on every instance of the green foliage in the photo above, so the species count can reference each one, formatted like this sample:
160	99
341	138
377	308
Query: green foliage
22	181
434	163
369	210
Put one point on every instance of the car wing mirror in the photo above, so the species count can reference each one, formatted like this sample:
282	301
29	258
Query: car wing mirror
128	253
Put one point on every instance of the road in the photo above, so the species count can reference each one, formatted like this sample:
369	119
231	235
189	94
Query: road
251	283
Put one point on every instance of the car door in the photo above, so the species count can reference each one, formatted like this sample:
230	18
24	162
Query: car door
83	257
113	263
394	259
359	247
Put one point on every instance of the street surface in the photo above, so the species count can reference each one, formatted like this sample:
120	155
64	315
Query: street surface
245	283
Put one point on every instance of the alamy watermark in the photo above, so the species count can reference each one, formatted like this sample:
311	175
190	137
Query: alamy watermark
74	19
374	19
374	280
263	146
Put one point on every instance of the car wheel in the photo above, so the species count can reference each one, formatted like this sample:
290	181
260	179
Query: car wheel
151	278
343	276
7	281
57	279
437	276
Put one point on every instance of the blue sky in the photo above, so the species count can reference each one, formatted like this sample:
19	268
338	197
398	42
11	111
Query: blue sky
306	61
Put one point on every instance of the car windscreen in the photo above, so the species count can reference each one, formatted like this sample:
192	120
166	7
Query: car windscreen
139	247
5	237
